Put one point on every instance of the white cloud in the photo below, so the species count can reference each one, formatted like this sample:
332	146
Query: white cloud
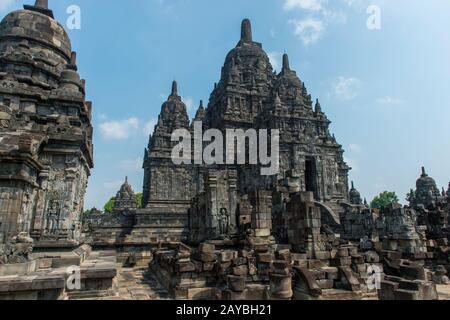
189	102
346	88
5	4
313	5
319	15
309	30
133	165
352	164
355	147
273	33
113	185
389	101
162	96
275	60
119	130
102	116
149	127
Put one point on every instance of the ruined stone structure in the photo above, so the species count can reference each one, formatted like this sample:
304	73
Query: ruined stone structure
204	231
46	150
249	95
227	232
46	156
125	200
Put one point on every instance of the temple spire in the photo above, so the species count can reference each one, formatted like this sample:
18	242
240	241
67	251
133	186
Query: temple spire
318	107
174	89
73	61
424	173
246	31
73	58
353	185
41	4
286	66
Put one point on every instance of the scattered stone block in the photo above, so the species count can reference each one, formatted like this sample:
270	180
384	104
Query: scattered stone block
236	283
206	248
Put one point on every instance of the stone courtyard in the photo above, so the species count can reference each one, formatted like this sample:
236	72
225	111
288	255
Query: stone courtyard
203	232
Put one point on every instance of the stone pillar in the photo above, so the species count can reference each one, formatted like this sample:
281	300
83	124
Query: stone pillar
262	213
280	281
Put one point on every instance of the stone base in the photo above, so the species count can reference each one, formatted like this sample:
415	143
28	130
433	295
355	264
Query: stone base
47	276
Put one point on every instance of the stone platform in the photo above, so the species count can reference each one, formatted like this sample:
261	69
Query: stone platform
47	276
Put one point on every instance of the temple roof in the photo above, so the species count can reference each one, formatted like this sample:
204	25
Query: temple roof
173	113
425	180
36	23
126	191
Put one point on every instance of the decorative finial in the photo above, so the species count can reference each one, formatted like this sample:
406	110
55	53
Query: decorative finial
353	185
41	4
286	62
174	89
246	31
424	173
73	61
318	106
73	58
126	179
201	104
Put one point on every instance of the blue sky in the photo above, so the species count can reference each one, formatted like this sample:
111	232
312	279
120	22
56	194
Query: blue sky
387	91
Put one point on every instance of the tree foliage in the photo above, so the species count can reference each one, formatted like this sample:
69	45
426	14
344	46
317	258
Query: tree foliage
384	199
139	199
109	206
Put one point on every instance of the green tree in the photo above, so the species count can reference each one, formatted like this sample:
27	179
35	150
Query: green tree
139	199
384	199
109	206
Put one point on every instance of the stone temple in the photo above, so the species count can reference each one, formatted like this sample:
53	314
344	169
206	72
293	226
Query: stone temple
219	231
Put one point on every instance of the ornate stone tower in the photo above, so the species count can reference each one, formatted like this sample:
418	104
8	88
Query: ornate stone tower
250	95
45	129
355	196
244	87
125	200
167	187
427	191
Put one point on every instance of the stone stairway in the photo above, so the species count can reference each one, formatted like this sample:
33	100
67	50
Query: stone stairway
135	284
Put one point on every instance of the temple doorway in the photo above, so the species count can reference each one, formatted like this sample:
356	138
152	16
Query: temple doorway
311	176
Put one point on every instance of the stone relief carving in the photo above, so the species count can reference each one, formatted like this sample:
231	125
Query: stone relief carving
224	222
17	250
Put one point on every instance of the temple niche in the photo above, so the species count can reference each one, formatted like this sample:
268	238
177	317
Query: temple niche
45	129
